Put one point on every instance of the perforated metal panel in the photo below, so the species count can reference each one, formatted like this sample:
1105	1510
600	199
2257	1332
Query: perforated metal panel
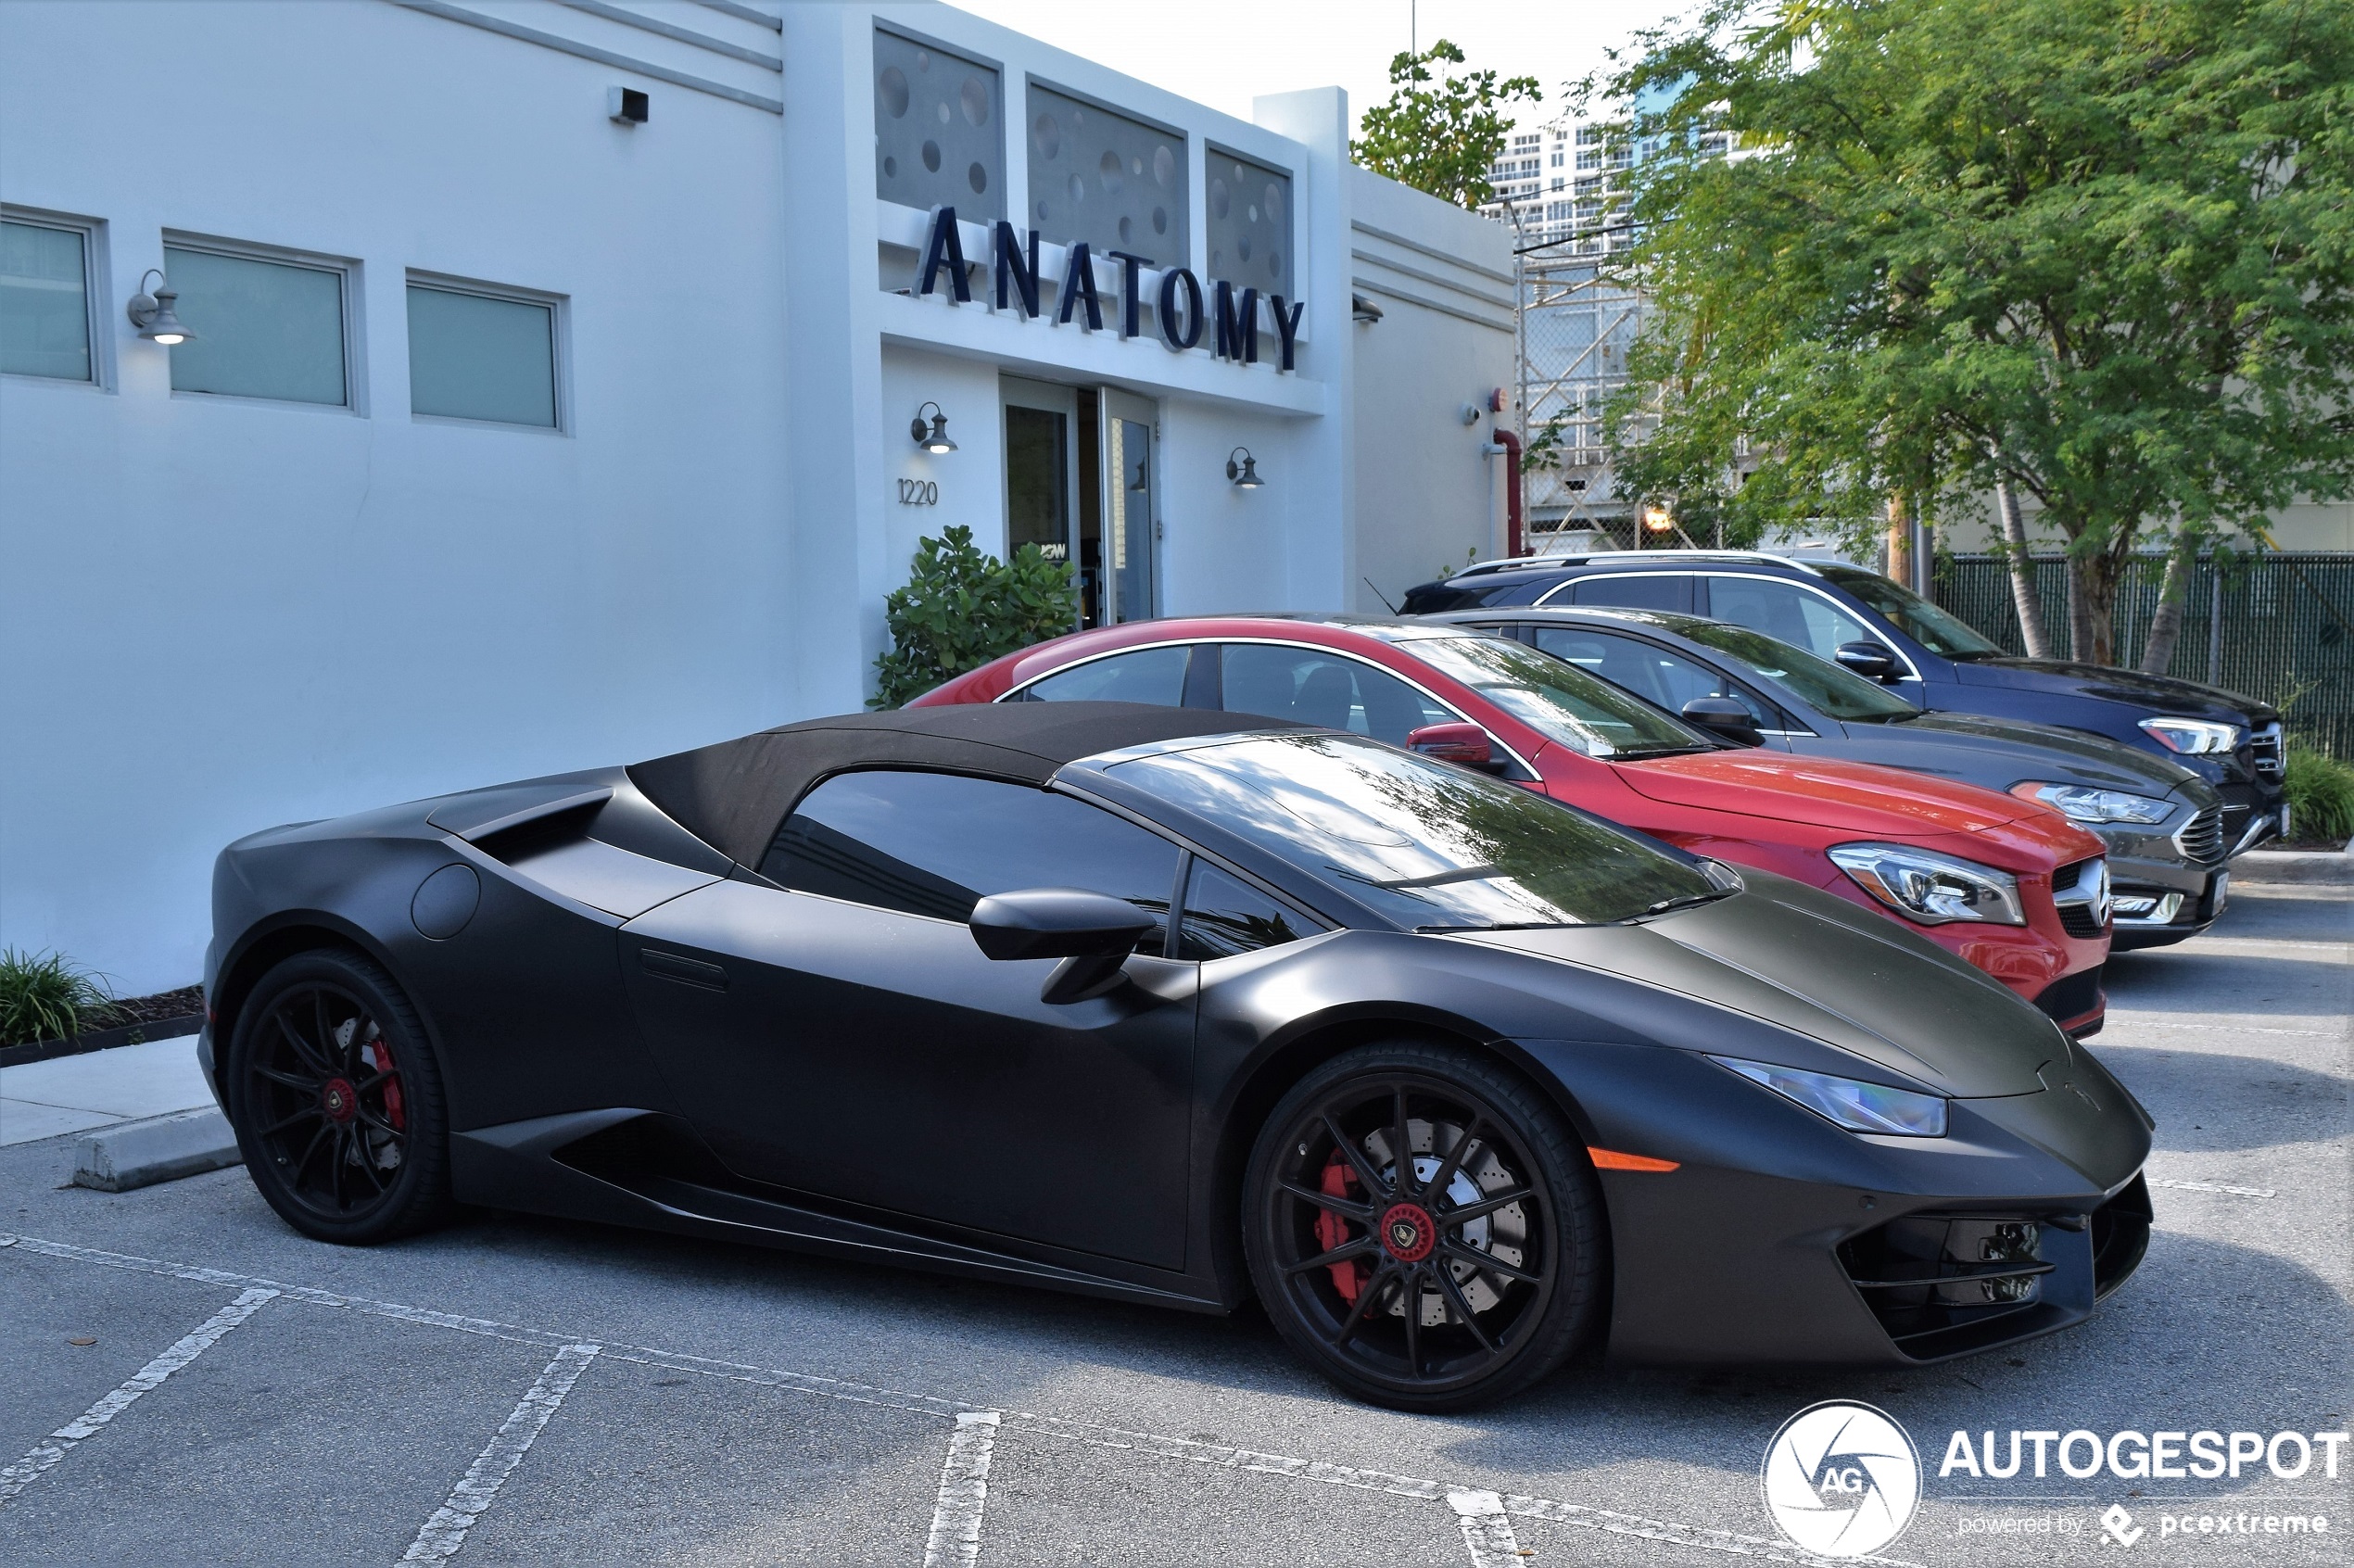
939	137
1247	209
1116	183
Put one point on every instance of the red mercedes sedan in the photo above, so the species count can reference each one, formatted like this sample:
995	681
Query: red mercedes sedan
2011	886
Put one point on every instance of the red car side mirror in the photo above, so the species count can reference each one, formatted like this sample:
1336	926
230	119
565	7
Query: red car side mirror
1466	745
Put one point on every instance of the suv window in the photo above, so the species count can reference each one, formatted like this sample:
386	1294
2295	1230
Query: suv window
937	843
1225	916
1636	590
1666	677
1149	675
1314	687
1933	629
1786	611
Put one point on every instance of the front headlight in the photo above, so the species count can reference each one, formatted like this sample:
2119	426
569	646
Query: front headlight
1931	888
2082	803
1846	1102
2197	737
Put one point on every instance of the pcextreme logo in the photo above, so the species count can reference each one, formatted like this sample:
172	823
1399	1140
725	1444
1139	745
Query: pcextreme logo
1841	1479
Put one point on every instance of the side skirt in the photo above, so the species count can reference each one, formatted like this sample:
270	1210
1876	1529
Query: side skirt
629	1166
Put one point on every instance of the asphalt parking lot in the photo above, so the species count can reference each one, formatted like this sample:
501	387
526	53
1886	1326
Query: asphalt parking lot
188	1381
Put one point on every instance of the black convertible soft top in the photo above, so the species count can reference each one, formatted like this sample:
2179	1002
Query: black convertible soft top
732	795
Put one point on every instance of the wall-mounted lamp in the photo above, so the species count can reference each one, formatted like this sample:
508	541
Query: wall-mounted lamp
932	438
1244	473
153	314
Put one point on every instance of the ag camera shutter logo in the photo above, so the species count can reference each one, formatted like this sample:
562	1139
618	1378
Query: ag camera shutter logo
1841	1479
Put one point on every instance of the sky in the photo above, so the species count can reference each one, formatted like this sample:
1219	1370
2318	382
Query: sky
1225	53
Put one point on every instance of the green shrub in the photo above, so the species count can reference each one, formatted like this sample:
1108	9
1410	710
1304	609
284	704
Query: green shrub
47	996
2321	795
961	609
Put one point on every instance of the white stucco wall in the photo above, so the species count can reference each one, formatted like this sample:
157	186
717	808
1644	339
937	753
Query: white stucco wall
220	614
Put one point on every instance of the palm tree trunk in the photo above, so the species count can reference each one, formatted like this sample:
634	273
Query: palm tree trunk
2023	595
2174	589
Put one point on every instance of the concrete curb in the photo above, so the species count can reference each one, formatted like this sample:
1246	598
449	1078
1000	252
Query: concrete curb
2329	867
162	1148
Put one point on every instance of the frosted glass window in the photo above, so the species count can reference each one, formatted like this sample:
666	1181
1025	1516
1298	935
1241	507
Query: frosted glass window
1249	220
44	307
1116	183
263	329
937	138
475	357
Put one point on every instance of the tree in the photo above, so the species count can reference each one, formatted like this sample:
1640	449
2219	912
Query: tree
962	608
2096	252
1441	139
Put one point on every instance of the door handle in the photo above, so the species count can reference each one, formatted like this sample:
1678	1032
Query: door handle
684	970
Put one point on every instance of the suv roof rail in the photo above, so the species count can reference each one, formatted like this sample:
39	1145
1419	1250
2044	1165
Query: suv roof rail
1507	563
1637	557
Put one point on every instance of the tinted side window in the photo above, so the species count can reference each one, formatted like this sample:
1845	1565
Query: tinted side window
1225	916
1786	611
1630	591
1317	687
937	843
1149	675
1649	671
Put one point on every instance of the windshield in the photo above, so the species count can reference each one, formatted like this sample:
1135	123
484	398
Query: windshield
1839	694
1935	630
1559	700
1428	846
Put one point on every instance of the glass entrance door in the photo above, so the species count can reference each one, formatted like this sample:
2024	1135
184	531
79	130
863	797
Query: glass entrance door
1045	435
1131	512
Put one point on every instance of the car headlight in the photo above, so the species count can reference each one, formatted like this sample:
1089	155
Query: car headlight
1930	887
2083	802
2197	737
1847	1102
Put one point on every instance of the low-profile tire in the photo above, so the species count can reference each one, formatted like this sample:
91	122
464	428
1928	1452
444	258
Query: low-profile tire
337	1102
1500	1291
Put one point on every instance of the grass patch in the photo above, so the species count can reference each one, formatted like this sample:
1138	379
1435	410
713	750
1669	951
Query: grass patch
2321	795
48	996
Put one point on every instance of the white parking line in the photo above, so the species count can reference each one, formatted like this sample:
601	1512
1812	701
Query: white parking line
964	1492
1487	1532
1222	1456
26	1470
441	1536
2212	1187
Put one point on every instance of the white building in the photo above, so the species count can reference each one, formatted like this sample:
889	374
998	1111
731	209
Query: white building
531	423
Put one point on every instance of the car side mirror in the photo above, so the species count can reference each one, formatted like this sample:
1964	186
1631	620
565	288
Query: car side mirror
1868	659
1465	745
1724	715
1091	933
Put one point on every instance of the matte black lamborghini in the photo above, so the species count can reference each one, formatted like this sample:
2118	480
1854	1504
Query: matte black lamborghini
1148	1004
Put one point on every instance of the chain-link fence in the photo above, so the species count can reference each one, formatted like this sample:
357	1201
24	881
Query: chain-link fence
2275	626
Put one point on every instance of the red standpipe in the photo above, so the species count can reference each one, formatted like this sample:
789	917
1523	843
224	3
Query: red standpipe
1511	443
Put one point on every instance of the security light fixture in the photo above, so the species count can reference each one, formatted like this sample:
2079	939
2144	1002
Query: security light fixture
1244	473
933	437
627	105
153	314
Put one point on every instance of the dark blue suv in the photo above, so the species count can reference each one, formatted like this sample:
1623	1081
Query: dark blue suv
1877	628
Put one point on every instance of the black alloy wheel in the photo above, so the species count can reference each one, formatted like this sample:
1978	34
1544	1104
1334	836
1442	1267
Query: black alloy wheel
337	1102
1451	1277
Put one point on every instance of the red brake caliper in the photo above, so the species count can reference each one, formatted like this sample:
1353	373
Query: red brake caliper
1348	1276
379	1057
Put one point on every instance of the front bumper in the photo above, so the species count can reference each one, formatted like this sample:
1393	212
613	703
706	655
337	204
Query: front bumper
1780	1240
